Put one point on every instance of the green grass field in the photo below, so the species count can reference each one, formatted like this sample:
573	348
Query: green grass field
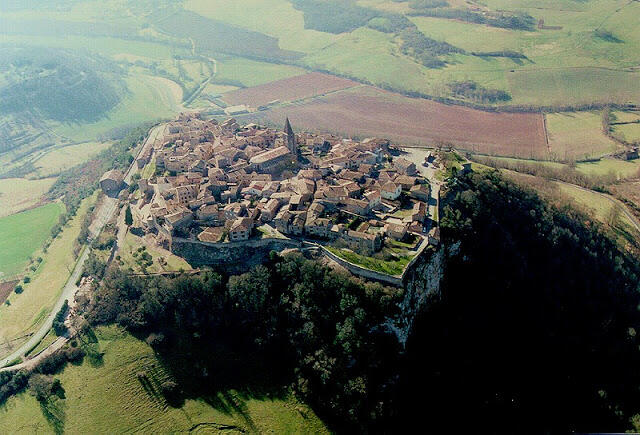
622	168
577	135
251	72
606	166
17	194
29	309
630	132
372	55
579	85
277	18
106	395
390	267
605	211
567	66
22	234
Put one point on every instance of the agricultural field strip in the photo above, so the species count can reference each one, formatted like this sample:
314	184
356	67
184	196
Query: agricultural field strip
295	88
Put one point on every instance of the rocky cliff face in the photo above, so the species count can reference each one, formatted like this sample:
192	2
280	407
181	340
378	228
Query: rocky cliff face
421	284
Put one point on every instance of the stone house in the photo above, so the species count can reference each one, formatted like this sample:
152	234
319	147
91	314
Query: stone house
241	229
391	191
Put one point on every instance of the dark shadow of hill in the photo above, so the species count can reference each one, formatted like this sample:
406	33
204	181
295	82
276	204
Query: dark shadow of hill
223	377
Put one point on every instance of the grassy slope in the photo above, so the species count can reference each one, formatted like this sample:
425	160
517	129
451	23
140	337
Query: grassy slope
602	210
622	168
372	55
564	67
61	158
109	397
22	234
30	308
577	135
150	98
132	243
17	194
630	132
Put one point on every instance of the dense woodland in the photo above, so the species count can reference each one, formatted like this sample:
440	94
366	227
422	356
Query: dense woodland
58	85
536	326
289	322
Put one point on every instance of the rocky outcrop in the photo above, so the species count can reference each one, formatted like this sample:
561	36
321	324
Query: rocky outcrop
421	283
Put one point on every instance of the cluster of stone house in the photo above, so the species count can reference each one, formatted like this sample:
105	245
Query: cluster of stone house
216	182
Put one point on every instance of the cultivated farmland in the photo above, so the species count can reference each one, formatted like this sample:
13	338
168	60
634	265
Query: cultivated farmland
366	111
17	194
291	89
28	310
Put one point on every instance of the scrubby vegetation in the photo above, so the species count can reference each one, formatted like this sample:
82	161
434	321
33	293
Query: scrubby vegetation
333	16
473	91
424	49
568	173
79	182
57	85
516	21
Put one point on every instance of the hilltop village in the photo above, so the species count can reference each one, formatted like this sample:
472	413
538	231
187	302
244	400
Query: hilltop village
226	183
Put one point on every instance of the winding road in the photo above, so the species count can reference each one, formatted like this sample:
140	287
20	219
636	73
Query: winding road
104	213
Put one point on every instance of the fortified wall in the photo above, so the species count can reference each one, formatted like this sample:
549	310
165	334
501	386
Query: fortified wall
235	257
420	280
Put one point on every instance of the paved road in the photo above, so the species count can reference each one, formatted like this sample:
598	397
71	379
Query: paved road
103	215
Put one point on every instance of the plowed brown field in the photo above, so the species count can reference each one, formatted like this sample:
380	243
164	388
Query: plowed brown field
368	111
290	89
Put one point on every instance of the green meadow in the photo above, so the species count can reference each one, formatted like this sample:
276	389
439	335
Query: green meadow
249	72
22	234
577	135
105	391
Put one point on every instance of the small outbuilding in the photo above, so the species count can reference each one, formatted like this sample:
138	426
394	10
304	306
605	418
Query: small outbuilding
112	182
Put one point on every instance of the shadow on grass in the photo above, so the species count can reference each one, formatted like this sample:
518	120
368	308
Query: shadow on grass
54	412
223	378
88	342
